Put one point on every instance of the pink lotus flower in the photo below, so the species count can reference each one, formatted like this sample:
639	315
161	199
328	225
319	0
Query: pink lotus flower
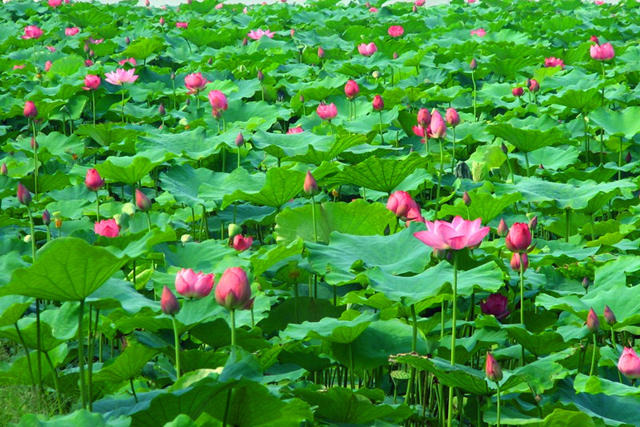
161	20
24	196
107	228
351	89
195	82
219	6
88	63
367	49
95	41
492	368
519	237
30	109
496	304
452	117
327	111
18	67
47	65
193	285
419	3
51	48
629	363
457	234
480	32
295	130
182	24
603	52
533	85
93	180
54	3
168	302
552	61
233	290
131	61
310	186
91	82
373	9
120	76
420	131
437	126
517	91
32	32
259	33
241	243
404	207
320	52
142	201
424	117
396	31
71	31
518	258
218	103
599	2
377	103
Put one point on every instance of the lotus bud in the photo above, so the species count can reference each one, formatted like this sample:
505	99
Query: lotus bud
239	140
585	282
517	91
466	199
168	302
127	40
609	316
628	157
233	290
244	41
24	196
320	52
46	217
260	75
395	55
533	222
375	74
519	237
161	20
504	148
3	169
378	103
502	228
452	117
492	369
142	201
93	180
473	64
424	117
592	321
30	109
310	185
518	258
161	110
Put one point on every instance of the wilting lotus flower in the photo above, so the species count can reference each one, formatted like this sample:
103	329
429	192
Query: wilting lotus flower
71	31
553	62
495	304
367	49
452	117
182	25
492	368
327	111
351	89
218	102
396	31
233	290
603	52
193	285
519	237
91	82
107	228
32	32
241	243
30	109
629	363
295	130
480	32
437	125
259	33
457	234
195	82
120	76
404	207
93	180
168	302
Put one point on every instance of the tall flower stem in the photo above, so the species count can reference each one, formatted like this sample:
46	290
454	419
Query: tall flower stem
176	340
54	373
568	225
83	391
381	137
453	333
26	352
473	79
35	159
522	298
122	109
593	355
453	152
98	205
440	172
233	328
498	406
38	334
93	104
613	344
414	345
313	219
238	157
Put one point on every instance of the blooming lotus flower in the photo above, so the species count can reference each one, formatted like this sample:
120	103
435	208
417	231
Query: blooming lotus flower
233	290
71	31
496	304
377	103
603	52
95	41
241	243
367	49
93	180
480	32
131	61
54	3
193	285
553	62
91	82
452	117
419	3
351	89
32	32
120	76
219	6
373	9
518	258
51	48
327	111
259	33
629	363
30	109
395	31
182	24
492	368
404	207
168	302
295	130
437	126
519	237
457	234
107	228
533	84
195	82
24	196
218	102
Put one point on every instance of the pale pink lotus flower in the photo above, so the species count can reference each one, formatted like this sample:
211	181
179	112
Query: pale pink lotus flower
629	363
193	285
71	31
182	25
419	3
245	10
218	102
480	32
219	6
395	31
367	49
95	41
457	234
295	130
603	52
120	76
552	61
51	48
373	9
131	61
259	33
32	32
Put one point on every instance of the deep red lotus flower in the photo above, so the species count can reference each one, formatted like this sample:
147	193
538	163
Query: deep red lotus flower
496	304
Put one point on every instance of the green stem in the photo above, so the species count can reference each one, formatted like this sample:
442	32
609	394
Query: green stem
586	136
526	159
148	220
439	178
226	408
568	225
414	345
91	341
620	159
238	157
233	327
381	137
453	152
453	333
93	103
55	381
83	391
522	298
351	373
176	340
39	346
498	406
593	355
35	160
313	218
123	106
26	352
133	390
473	79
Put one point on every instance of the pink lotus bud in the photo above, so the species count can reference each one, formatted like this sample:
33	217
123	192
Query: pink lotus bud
466	199
424	118
377	103
91	82
502	228
161	110
168	302
241	243
71	31
414	8
594	39
628	157
244	41
395	55
239	140
496	304
517	258
30	109
320	52
404	207
452	117
519	237
473	64
533	84
233	290
88	63
310	185
93	180
142	201
629	363
327	111
395	31
47	65
517	91
34	144
3	169
585	282
351	89
46	217
260	75
218	102
161	21
492	368
533	223
24	196
127	40
437	125
593	323
295	130
609	316
107	228
193	285
182	25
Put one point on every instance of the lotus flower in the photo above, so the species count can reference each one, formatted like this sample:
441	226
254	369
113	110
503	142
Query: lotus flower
131	61
320	52
517	91
168	302
30	109
533	85
629	363
553	62
452	117
71	31
457	234
419	3
32	32
377	103
480	32
241	243
218	102
519	237
47	65
193	285
295	130
396	31
404	207
120	76
437	126
93	180
259	33
182	25
327	111
424	118
492	368
233	290
24	196
496	304
54	3
195	82
351	89
142	201
107	228
603	52
310	186
367	49
518	258
91	82
593	323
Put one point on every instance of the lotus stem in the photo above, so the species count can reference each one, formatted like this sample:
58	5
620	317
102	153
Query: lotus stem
93	103
522	299
55	382
26	351
133	390
233	327
35	160
498	406
439	178
381	137
83	392
453	333
568	225
123	106
473	80
593	355
453	152
313	219
176	340
414	345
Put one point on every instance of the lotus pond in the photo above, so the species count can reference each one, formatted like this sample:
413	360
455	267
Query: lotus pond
280	215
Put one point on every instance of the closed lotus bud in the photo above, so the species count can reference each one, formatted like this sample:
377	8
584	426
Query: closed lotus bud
93	180
519	237
517	91
452	117
3	169
492	369
233	290
437	125
502	228
585	282
161	20
466	199
609	316
260	75
33	144
504	148
239	140
629	363
473	64
24	196
46	217
533	222
210	61
424	117
351	89
376	74
142	201
517	259
310	185
628	157
320	52
377	103
533	84
395	55
244	41
127	40
593	323
30	109
168	302
161	110
234	230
